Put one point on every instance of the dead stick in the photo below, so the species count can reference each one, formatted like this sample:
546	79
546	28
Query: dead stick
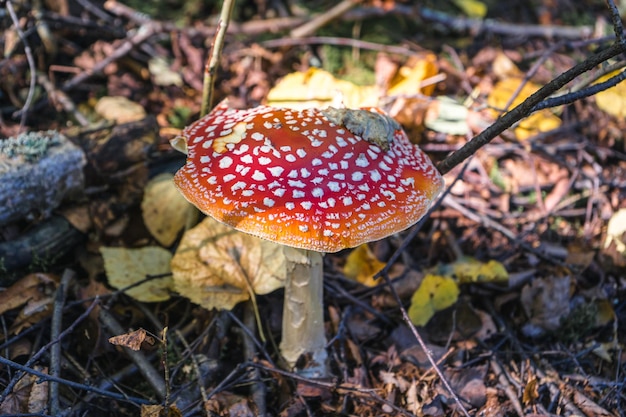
55	331
526	107
141	35
214	58
31	63
311	26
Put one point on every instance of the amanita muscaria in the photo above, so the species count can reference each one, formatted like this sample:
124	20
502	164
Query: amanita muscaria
317	180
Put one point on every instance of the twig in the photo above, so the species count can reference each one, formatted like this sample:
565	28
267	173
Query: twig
405	316
45	377
196	368
63	99
258	389
55	331
506	386
41	351
525	108
146	369
141	35
331	40
617	22
314	24
478	26
579	95
31	64
210	70
488	222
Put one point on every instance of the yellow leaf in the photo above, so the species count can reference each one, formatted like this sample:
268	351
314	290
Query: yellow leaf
125	267
165	211
472	8
613	100
541	121
216	266
409	79
362	265
467	269
435	293
319	88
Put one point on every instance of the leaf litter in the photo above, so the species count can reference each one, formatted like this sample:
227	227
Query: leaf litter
542	204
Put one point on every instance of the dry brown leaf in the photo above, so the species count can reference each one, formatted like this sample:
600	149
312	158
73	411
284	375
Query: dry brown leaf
132	340
38	398
216	266
125	267
546	303
32	287
165	211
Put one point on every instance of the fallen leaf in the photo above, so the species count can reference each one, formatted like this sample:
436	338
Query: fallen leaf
541	121
30	288
409	78
126	267
468	269
362	265
472	8
162	73
614	248
546	303
612	100
132	340
319	88
165	211
216	266
119	109
445	115
435	293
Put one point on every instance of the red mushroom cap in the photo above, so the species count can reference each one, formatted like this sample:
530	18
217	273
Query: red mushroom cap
298	179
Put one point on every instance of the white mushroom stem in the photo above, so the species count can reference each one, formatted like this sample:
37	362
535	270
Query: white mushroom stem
303	313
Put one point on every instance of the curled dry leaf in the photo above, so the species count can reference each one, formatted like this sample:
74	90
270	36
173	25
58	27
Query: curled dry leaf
132	340
125	267
218	267
165	211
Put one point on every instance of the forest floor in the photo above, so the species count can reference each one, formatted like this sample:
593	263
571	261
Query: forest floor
525	255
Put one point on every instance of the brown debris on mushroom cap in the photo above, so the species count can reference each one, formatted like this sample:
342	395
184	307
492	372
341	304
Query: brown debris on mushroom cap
297	178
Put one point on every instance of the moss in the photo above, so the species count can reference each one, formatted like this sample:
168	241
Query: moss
30	146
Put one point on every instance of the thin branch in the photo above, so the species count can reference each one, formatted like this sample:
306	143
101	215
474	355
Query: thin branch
31	64
45	377
579	95
331	40
210	70
317	22
617	22
55	331
41	351
526	108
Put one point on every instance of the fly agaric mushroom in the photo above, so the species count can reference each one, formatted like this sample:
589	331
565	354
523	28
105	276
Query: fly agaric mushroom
317	180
